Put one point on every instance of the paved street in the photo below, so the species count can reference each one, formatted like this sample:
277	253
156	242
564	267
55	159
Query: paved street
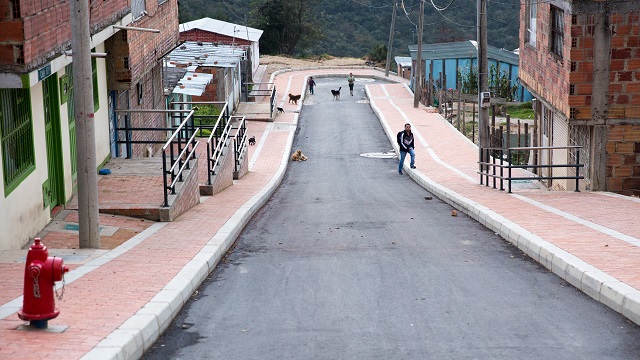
349	260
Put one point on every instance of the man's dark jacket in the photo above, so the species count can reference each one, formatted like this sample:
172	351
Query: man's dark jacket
401	136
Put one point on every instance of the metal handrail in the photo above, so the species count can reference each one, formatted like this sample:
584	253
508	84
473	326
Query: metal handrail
239	141
181	160
488	161
215	153
272	101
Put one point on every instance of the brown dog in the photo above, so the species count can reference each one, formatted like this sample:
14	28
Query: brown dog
298	156
294	98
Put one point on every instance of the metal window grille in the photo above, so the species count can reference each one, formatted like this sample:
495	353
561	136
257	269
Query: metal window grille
580	136
15	6
557	30
137	8
20	57
16	131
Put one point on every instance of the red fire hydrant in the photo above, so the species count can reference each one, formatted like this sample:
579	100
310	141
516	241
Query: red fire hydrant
40	274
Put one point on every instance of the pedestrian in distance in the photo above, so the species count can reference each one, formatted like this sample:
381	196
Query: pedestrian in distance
311	84
406	144
351	79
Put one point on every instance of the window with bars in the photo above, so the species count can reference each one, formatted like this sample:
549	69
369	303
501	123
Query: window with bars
15	9
557	31
580	136
16	134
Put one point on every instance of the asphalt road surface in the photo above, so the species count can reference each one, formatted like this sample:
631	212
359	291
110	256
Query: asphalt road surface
348	260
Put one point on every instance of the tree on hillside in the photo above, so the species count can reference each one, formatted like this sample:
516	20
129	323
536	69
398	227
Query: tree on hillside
286	24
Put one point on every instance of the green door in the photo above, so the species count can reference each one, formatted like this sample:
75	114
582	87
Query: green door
72	124
55	193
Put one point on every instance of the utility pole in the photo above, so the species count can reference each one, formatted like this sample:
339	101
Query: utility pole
483	70
85	126
417	83
393	25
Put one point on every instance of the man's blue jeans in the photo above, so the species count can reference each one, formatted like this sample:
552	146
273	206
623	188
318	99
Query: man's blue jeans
403	154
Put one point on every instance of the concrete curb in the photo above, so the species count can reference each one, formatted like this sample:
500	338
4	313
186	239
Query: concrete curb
138	333
597	284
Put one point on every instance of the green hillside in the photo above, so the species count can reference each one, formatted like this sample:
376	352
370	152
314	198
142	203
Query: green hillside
354	27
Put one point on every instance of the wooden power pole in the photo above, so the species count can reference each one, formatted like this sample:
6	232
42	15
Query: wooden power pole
417	83
393	25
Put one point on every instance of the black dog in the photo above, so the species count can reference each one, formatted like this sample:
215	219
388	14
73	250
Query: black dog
280	110
336	93
252	140
294	98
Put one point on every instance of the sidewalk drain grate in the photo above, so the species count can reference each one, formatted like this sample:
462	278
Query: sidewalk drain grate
363	101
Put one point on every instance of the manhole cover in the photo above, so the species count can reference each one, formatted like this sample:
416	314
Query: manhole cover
380	155
362	101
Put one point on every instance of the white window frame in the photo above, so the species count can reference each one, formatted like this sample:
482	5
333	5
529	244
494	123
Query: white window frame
531	14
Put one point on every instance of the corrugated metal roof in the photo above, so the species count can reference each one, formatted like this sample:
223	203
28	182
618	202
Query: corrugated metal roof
404	61
193	83
223	28
462	50
205	54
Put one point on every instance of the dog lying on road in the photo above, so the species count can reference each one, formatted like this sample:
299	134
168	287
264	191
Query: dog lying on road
298	156
252	140
336	93
294	98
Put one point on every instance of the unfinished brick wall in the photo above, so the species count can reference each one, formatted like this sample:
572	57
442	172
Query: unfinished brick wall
623	159
35	32
577	99
624	70
146	48
152	98
624	90
211	90
210	37
543	72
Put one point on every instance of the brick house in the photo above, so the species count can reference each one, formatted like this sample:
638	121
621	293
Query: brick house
581	60
37	124
223	33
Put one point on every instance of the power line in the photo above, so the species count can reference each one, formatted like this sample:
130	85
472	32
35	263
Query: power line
441	9
453	22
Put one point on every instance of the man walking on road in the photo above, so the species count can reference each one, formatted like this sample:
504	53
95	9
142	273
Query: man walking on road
405	142
351	79
311	84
